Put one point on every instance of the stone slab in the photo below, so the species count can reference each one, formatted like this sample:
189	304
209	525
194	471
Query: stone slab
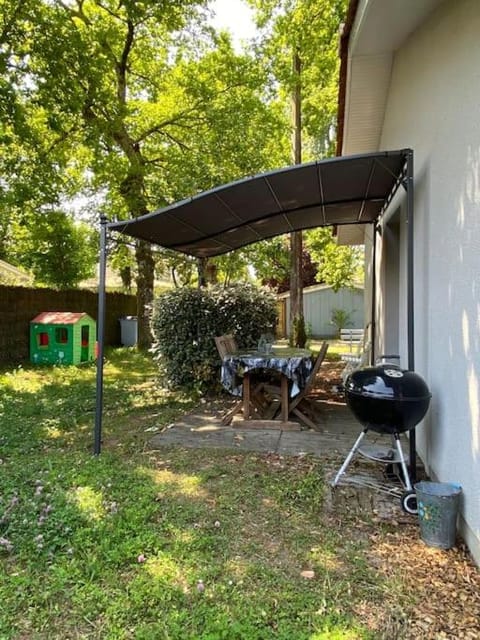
204	429
268	424
219	437
312	442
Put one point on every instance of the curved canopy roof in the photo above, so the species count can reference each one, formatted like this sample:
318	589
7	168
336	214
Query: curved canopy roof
336	191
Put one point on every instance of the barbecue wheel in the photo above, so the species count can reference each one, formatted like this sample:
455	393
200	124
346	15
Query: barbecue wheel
409	502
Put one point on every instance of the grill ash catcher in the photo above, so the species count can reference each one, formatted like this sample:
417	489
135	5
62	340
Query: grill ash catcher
390	401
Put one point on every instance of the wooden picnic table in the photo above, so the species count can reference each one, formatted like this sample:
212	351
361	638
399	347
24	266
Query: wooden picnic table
293	366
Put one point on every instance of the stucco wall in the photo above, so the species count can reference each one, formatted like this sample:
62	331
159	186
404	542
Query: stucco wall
434	108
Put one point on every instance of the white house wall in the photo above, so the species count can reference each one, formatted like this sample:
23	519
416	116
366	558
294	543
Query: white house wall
433	107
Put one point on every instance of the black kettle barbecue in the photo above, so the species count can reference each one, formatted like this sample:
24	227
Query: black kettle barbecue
388	400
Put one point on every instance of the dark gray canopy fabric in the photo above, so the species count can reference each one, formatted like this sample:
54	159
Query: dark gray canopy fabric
336	191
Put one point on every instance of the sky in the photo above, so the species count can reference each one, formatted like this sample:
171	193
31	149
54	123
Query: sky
236	17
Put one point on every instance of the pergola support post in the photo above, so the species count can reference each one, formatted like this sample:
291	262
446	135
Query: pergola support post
100	337
410	297
373	311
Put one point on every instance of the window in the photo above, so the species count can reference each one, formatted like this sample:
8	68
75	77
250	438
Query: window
42	339
61	335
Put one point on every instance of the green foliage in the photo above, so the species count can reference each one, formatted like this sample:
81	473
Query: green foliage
338	266
138	101
180	267
185	322
298	335
58	251
309	29
341	266
341	319
271	258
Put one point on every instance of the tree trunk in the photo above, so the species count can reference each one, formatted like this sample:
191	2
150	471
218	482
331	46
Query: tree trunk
297	321
174	277
202	272
145	280
298	337
132	190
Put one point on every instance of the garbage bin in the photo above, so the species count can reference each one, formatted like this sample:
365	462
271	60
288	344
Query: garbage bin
437	512
128	331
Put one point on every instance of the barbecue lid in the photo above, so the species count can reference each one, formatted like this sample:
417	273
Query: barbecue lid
387	382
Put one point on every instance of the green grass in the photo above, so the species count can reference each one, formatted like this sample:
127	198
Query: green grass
174	544
335	347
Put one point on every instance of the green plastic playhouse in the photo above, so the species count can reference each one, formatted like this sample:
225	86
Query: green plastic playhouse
62	337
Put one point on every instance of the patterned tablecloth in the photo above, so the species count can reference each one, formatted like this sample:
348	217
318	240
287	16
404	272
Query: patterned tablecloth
295	364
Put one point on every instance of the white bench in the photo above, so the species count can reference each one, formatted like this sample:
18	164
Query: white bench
358	357
352	337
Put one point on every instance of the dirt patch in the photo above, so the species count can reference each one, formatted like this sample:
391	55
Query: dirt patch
329	383
446	585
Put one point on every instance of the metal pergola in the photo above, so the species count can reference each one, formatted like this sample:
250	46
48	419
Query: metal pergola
338	191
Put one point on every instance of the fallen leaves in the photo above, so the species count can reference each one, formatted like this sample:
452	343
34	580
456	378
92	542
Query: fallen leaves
308	574
445	584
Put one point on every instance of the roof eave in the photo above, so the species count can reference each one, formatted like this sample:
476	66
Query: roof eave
342	84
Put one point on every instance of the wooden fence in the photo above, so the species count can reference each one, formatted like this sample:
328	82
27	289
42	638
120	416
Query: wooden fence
19	305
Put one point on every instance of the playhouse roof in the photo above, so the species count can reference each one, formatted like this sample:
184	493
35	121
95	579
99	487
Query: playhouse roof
59	317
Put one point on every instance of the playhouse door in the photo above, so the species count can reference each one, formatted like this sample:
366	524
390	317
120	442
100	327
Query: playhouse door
85	343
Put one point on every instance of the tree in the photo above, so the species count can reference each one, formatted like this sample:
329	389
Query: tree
32	155
99	78
338	266
305	32
122	260
309	29
153	110
309	276
58	251
271	262
323	261
298	334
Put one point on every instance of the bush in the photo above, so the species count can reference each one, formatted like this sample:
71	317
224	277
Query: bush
185	322
341	319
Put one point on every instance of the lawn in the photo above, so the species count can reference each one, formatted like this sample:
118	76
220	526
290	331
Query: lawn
185	544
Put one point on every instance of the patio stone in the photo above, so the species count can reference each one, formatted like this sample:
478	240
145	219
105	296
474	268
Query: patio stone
204	428
219	437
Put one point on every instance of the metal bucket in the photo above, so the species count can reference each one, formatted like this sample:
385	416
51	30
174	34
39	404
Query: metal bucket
437	512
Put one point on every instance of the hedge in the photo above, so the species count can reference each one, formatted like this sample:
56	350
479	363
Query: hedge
185	322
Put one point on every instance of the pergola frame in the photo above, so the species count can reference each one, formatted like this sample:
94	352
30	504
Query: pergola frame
363	187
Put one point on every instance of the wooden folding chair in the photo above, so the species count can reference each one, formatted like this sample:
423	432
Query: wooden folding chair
301	405
226	345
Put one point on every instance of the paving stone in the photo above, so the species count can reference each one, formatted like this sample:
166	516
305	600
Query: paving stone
204	428
269	424
219	437
294	443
